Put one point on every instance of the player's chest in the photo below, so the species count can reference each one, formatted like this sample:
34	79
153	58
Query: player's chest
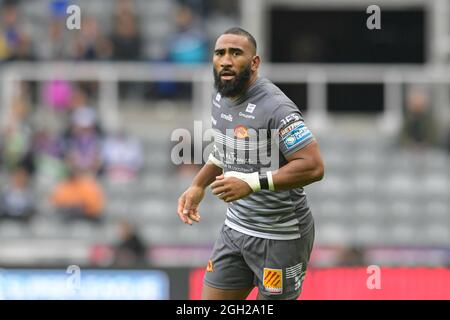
238	119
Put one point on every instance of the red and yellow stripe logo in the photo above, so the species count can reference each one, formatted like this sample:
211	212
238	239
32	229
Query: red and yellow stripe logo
210	267
273	280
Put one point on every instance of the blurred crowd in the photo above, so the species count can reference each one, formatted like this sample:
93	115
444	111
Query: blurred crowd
59	169
70	163
124	35
65	162
121	39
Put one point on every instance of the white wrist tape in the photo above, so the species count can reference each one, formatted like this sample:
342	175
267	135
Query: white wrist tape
252	179
270	179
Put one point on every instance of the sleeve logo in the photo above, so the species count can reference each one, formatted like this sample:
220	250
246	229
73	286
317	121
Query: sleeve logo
290	141
285	130
290	118
297	136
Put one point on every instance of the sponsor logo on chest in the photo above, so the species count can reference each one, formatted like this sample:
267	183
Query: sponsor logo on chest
250	108
247	116
216	101
227	117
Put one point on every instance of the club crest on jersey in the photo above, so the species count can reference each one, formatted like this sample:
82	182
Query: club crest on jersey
250	108
273	280
241	132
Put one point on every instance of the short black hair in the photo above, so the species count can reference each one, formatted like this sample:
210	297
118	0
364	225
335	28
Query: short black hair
241	32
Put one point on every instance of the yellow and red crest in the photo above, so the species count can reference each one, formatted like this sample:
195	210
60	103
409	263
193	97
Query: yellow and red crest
273	280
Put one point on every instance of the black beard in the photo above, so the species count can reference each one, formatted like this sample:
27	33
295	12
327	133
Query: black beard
234	87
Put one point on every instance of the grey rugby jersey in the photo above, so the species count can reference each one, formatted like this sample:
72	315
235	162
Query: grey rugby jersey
244	140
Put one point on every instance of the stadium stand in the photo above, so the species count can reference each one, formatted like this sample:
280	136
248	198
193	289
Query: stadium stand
376	194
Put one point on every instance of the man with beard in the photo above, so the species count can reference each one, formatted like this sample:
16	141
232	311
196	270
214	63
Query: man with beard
268	234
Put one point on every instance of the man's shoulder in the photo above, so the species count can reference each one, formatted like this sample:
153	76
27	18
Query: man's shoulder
272	97
277	106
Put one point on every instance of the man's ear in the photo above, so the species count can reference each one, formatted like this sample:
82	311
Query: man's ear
256	60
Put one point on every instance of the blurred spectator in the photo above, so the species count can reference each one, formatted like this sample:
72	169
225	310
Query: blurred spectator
14	43
127	43
83	143
90	43
79	97
55	44
351	257
58	94
78	196
48	158
126	40
122	157
130	251
17	201
15	143
419	125
79	100
188	44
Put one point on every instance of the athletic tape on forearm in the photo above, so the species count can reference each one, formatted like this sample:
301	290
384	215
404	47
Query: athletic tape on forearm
270	179
252	179
215	161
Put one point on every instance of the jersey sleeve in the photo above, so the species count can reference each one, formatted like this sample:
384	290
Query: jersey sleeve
214	157
293	134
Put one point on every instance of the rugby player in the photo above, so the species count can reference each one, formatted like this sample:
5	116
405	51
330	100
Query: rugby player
268	234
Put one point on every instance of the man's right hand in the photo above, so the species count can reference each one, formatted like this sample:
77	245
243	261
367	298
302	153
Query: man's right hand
188	204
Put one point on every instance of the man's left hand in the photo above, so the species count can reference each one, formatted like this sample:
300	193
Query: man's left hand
230	188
